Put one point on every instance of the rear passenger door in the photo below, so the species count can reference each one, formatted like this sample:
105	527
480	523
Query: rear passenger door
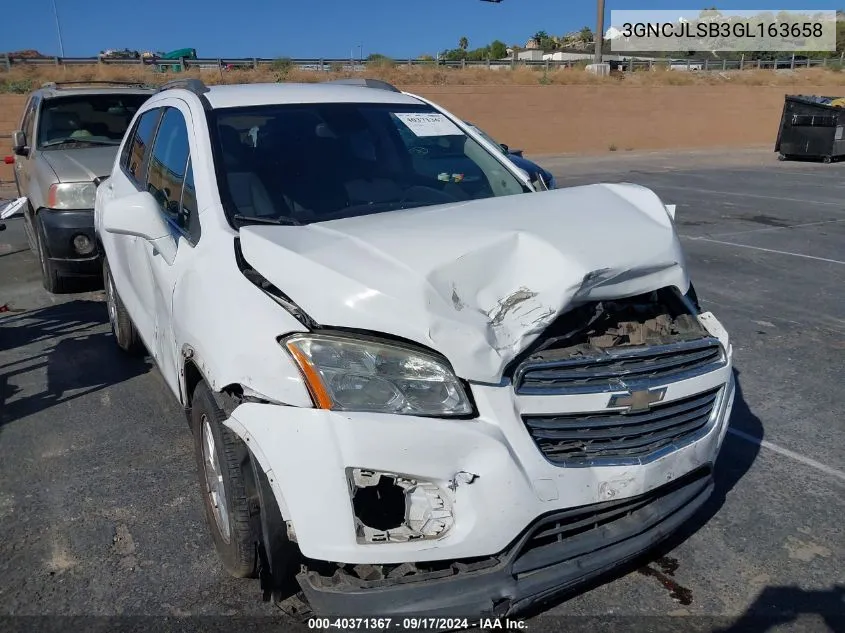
170	180
127	257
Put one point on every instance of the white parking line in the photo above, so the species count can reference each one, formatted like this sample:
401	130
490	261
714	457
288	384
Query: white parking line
816	176
765	250
833	472
712	192
777	228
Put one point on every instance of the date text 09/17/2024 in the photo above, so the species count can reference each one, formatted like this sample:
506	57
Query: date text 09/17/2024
416	624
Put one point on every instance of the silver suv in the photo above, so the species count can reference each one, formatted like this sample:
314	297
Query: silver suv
68	139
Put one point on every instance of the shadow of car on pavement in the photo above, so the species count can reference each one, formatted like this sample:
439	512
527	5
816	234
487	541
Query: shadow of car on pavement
71	342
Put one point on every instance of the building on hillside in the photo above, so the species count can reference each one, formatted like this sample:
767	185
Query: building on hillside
566	57
535	55
612	33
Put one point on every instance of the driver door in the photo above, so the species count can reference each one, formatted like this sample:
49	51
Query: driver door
170	180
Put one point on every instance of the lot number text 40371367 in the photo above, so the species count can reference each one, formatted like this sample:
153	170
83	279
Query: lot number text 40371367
416	624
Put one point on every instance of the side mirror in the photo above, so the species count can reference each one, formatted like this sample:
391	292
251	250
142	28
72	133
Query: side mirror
504	147
139	215
19	143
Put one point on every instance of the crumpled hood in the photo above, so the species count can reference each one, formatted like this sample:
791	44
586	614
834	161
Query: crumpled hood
476	281
81	164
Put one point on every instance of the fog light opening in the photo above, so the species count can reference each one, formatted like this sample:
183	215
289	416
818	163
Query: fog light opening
382	506
82	244
391	508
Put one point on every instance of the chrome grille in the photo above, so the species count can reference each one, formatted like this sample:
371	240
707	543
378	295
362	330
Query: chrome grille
591	374
583	437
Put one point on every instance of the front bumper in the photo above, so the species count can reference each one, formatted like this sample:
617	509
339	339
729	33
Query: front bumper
534	569
59	230
502	492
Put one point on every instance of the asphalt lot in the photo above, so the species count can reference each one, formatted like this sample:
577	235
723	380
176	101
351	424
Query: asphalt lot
99	511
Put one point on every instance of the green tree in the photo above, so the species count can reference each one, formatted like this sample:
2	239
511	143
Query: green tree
586	34
840	36
280	68
498	50
378	60
463	43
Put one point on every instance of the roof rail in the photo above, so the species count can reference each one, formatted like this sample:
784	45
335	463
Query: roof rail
94	82
197	86
378	84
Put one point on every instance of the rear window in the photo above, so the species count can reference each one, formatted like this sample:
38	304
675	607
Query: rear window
87	119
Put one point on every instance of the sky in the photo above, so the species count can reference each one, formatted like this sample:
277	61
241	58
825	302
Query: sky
311	30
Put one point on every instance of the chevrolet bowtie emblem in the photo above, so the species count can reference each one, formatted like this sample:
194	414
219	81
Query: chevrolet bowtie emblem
635	401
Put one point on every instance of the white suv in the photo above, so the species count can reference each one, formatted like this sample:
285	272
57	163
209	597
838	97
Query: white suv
415	383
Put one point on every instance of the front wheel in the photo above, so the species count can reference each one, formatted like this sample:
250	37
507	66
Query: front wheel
222	465
53	282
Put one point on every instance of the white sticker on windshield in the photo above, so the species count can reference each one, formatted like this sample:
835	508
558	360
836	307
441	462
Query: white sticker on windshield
429	124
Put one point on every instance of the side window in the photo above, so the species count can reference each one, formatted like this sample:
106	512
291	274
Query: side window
28	123
168	168
134	152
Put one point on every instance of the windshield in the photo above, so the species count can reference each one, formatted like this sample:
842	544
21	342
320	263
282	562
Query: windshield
99	119
297	164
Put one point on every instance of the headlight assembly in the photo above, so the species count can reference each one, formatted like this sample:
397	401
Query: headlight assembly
350	374
72	195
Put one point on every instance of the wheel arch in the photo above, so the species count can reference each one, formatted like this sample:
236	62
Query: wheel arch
259	478
227	398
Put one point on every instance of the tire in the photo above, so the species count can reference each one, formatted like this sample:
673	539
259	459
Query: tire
50	277
222	466
125	334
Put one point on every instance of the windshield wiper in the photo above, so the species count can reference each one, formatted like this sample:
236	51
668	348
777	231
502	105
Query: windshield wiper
64	141
254	219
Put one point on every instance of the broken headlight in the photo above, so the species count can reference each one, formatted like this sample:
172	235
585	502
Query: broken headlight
350	374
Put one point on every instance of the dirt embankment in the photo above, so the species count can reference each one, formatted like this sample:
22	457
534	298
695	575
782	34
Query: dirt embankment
560	119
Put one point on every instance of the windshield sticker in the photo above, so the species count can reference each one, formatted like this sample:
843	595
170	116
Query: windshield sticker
424	124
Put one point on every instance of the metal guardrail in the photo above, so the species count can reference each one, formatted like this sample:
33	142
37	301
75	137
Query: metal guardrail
329	64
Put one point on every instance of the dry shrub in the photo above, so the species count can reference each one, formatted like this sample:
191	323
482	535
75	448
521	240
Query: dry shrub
25	77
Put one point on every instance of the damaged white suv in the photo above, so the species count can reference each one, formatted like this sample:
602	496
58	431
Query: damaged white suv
416	382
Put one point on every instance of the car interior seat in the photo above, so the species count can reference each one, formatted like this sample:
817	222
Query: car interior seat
246	188
59	125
